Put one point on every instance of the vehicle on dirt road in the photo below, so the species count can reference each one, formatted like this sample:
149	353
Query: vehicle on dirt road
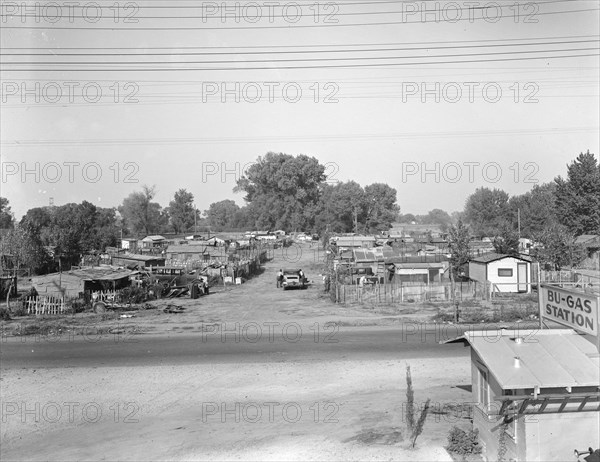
292	280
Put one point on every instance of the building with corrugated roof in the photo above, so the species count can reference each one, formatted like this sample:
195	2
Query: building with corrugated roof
73	283
535	390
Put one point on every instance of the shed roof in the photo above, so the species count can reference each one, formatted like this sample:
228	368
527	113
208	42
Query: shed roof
549	358
138	257
187	248
154	237
368	255
492	256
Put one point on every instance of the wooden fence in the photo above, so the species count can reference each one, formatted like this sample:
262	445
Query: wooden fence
44	305
104	295
411	292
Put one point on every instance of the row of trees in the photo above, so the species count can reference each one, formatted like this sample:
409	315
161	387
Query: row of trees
291	193
572	202
551	215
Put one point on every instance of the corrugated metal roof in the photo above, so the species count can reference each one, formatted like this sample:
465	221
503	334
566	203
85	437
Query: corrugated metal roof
548	358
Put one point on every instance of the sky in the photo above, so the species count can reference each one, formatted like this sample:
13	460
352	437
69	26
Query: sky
93	107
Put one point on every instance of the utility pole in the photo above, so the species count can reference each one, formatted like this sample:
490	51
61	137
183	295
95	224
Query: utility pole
519	221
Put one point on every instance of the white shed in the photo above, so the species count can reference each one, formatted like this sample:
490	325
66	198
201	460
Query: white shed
508	273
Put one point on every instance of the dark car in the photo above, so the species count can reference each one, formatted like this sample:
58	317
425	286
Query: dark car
292	280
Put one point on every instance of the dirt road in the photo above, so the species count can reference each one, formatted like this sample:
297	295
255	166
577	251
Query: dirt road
284	400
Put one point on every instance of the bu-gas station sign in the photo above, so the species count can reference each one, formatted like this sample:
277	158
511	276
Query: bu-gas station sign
570	308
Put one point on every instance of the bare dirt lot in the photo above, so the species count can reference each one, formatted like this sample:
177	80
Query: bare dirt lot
277	406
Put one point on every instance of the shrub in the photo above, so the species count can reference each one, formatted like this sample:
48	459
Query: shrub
77	306
4	314
463	443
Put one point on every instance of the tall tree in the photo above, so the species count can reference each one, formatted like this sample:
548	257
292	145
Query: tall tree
558	249
6	216
536	209
381	208
507	241
438	217
341	208
182	211
223	214
27	249
578	196
486	211
280	189
458	244
140	214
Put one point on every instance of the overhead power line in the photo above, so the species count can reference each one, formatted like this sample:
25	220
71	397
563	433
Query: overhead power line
327	66
288	26
366	136
351	50
379	44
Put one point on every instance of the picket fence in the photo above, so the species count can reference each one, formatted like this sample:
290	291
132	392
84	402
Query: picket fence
104	295
44	305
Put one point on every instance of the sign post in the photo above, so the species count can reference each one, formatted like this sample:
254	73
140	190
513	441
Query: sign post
570	308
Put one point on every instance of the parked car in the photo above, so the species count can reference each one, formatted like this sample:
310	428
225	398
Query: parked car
292	280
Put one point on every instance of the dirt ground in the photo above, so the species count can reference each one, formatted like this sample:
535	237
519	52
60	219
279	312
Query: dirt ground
284	410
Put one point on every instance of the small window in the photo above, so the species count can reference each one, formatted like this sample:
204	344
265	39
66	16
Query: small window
484	391
511	427
505	272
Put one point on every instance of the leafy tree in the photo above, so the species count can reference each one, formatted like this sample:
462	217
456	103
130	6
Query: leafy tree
507	242
6	216
486	211
557	248
458	244
341	207
224	214
182	211
578	197
537	209
36	219
140	214
407	218
381	208
27	249
456	215
280	189
438	217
